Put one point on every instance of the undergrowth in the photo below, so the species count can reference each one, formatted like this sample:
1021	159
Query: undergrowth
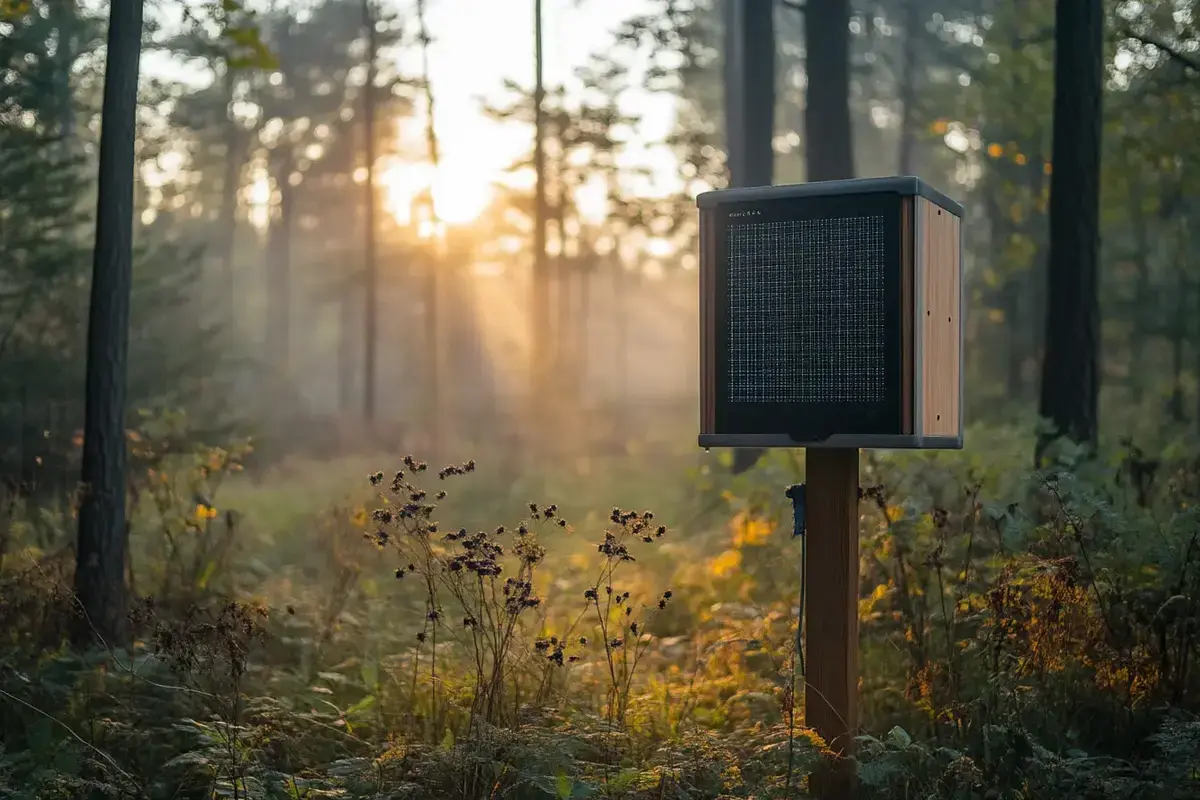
1019	639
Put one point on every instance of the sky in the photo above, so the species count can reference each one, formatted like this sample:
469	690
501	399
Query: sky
477	45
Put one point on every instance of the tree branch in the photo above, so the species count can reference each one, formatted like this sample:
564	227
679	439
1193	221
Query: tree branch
1186	60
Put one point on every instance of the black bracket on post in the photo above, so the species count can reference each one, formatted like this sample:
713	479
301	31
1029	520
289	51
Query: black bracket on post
795	493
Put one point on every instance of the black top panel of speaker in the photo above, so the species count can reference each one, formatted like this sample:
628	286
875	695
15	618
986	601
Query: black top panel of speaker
905	186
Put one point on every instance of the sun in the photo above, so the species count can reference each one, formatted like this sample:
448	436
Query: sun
460	191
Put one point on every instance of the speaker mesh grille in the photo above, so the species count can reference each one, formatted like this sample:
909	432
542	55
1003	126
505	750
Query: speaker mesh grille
806	311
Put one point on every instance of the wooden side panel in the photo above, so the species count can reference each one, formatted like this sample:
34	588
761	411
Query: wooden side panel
907	334
708	323
941	340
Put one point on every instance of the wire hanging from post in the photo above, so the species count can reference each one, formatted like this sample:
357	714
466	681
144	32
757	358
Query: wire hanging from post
796	493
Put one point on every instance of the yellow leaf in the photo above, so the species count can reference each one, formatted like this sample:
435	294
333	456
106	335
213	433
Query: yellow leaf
725	564
749	531
1020	158
939	127
359	518
1047	168
995	150
996	315
894	513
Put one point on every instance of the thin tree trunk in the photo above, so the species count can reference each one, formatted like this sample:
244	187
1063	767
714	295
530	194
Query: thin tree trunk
828	136
280	264
908	87
433	299
540	309
346	359
621	295
1141	297
371	318
563	350
749	112
228	220
100	551
1070	368
65	20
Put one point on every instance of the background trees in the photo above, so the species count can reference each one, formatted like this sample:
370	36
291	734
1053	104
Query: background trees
998	606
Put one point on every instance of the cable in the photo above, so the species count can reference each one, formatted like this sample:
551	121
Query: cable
796	494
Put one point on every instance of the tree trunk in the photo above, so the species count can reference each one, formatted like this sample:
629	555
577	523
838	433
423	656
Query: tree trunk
908	87
228	222
346	359
433	298
540	308
100	551
370	272
828	144
1070	370
749	113
1141	298
279	293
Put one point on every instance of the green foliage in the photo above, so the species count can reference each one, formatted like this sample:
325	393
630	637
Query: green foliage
1019	638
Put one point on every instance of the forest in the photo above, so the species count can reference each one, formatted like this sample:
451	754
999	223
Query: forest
349	368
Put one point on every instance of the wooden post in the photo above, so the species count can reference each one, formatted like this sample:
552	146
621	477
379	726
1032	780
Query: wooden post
831	616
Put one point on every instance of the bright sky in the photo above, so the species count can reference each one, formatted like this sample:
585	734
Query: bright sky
477	44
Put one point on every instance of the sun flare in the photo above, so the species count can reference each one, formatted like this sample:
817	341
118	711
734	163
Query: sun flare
460	192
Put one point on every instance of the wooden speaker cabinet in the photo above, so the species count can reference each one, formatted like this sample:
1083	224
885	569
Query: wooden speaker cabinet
831	315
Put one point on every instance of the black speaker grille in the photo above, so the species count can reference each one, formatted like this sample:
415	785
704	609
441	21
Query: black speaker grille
807	311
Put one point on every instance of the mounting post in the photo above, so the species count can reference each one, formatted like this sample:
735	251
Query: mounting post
831	614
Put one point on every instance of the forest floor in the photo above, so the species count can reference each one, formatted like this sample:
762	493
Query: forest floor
342	629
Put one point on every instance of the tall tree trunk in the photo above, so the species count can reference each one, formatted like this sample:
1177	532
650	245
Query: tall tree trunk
1070	368
749	112
100	551
828	136
1178	335
433	299
540	308
913	33
65	21
370	271
279	292
346	358
229	200
563	347
1141	297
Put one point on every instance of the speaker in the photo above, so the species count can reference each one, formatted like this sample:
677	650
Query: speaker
831	315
